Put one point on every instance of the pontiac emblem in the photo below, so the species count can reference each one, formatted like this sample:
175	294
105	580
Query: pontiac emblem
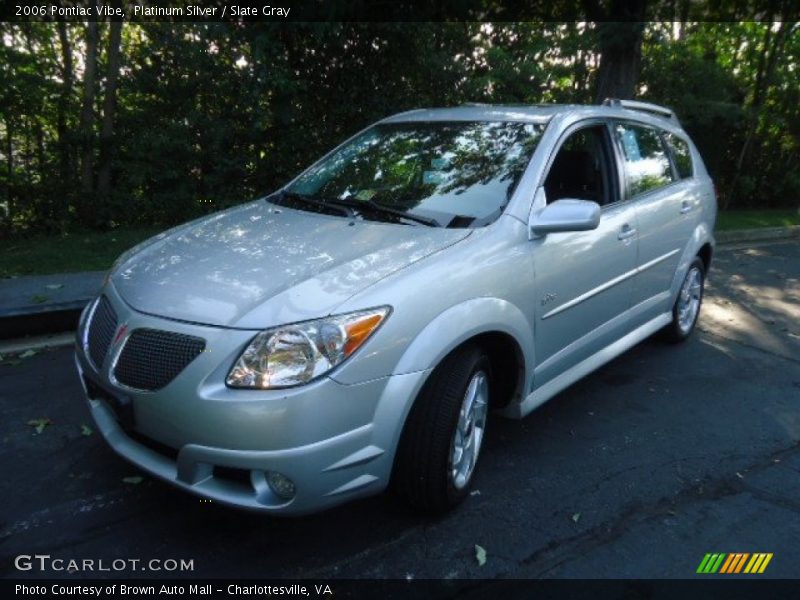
120	334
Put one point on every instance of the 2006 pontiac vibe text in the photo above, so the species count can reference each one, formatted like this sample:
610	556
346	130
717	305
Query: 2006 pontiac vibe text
353	330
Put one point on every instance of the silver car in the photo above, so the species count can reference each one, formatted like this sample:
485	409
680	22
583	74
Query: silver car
353	330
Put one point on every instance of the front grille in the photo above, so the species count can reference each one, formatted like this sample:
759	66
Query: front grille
101	330
152	358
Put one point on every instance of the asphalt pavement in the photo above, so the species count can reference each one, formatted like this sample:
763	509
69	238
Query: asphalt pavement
665	454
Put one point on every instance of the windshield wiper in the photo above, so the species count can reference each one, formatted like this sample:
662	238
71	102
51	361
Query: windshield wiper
375	207
346	207
320	204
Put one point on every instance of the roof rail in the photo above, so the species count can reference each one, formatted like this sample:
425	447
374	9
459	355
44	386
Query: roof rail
661	111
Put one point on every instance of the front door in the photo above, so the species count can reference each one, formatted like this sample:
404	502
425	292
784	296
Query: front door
583	280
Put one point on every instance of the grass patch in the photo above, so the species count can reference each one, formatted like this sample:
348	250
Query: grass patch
753	219
76	251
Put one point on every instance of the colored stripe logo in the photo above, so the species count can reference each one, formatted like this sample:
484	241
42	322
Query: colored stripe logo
734	562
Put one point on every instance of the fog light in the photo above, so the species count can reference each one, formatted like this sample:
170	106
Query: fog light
282	486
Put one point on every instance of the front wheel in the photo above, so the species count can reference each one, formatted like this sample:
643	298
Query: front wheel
687	305
444	433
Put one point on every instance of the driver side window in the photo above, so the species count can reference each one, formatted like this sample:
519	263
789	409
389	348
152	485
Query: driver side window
581	168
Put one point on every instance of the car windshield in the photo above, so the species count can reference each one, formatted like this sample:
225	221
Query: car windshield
450	174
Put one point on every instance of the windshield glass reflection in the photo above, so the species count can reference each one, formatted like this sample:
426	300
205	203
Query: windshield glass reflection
458	173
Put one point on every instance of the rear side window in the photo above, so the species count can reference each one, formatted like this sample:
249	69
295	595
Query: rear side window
647	164
681	155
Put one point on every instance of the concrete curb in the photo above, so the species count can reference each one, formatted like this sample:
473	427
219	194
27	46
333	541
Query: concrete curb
753	235
54	307
44	322
38	342
40	304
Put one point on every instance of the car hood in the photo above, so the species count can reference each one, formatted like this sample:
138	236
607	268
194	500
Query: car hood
260	265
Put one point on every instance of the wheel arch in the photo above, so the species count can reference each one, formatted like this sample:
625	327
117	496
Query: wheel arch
705	253
496	325
700	244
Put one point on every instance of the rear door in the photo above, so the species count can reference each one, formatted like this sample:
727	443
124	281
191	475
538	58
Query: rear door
667	209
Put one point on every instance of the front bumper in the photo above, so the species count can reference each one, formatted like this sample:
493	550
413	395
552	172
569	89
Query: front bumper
335	442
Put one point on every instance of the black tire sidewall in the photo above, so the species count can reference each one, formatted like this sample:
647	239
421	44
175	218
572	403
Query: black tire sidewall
422	461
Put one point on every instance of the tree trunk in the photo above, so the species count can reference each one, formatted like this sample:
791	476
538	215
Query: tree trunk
9	212
762	63
767	61
86	125
64	142
620	47
737	52
109	110
683	19
41	161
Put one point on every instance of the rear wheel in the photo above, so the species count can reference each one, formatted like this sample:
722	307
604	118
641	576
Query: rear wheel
687	305
443	436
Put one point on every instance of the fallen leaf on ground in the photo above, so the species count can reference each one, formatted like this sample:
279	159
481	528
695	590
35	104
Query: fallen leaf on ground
475	493
38	299
54	286
12	363
576	517
40	424
480	555
28	354
134	480
86	430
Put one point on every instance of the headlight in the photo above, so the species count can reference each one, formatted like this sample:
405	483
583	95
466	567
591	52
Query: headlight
295	354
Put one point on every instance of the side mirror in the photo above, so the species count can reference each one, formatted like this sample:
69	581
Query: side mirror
565	215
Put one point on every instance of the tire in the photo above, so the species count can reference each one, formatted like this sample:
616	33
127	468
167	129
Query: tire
425	474
690	298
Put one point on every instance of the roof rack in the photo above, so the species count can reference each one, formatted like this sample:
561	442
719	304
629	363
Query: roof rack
661	111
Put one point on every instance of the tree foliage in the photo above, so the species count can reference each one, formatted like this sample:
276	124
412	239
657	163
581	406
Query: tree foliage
160	122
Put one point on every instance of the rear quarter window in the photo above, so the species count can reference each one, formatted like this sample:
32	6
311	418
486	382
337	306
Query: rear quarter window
681	155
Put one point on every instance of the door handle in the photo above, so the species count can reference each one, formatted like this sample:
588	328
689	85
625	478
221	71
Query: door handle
626	232
686	206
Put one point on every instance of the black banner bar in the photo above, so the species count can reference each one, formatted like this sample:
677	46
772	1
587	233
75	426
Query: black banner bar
283	11
732	588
